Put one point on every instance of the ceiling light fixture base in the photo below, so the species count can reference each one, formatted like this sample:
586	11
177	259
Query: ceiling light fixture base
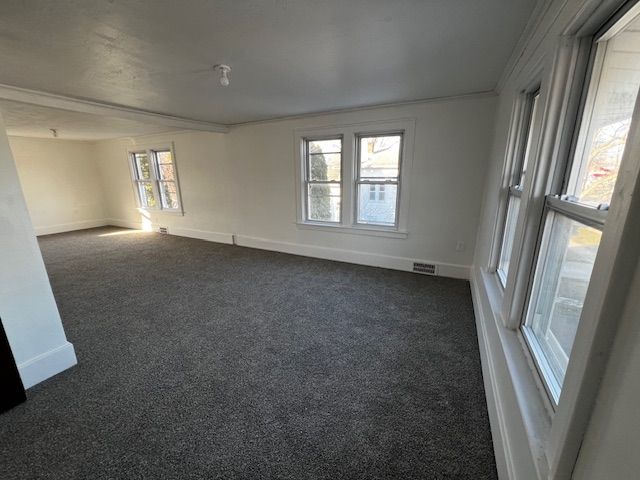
224	71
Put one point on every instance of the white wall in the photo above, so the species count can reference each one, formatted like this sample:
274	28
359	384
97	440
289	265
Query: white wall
243	183
60	183
27	308
207	184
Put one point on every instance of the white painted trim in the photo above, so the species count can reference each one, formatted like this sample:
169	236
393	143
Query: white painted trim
117	222
34	97
69	227
202	235
495	408
353	230
520	422
532	27
351	256
364	108
47	364
218	237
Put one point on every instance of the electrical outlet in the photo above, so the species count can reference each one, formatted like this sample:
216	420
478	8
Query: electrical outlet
460	246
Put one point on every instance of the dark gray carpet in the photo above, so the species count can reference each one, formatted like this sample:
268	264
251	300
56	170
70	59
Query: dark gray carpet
201	361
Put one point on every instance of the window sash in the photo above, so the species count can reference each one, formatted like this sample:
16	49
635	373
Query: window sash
143	198
508	234
522	157
360	180
308	182
525	145
556	208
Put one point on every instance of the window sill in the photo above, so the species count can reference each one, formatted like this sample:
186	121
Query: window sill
530	399
156	211
354	230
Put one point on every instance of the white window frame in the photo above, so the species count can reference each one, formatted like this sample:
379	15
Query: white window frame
308	181
556	202
155	180
524	130
350	134
555	433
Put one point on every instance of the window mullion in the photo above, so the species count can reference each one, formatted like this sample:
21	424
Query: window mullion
155	184
349	177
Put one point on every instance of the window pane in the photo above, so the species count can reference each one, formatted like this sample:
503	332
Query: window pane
607	118
163	157
333	145
561	281
380	156
169	194
507	240
324	202
145	190
166	172
324	167
527	151
143	167
377	210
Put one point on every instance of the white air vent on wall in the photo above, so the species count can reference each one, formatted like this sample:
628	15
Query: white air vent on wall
163	230
427	268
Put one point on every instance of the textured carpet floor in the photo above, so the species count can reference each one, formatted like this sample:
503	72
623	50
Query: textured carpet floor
200	360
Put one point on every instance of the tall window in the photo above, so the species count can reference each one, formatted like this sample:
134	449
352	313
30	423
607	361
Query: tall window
378	179
155	179
516	181
323	179
575	215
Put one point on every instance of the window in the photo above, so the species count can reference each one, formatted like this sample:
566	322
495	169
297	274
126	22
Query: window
516	181
155	179
354	178
376	193
323	179
575	215
378	179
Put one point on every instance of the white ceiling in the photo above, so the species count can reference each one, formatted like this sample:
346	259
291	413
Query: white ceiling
288	57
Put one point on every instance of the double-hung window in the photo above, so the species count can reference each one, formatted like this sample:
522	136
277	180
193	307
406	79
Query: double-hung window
576	212
525	138
355	177
155	179
378	179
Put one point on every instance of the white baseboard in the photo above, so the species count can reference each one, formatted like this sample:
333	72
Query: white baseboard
351	256
47	364
116	222
202	235
218	237
68	227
